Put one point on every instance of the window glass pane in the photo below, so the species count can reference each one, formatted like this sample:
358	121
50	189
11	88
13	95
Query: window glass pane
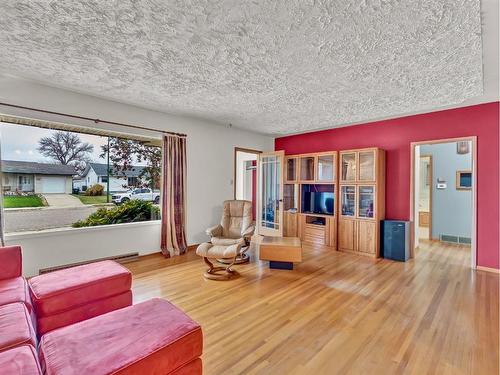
366	195
36	165
367	166
325	168
348	165
291	169
307	168
270	191
348	199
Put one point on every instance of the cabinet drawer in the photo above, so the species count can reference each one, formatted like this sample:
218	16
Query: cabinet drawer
314	234
314	240
314	231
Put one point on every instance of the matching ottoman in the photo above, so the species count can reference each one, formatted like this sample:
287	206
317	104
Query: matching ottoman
153	337
20	361
16	328
209	251
71	295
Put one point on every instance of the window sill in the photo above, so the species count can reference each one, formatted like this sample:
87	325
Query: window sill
69	230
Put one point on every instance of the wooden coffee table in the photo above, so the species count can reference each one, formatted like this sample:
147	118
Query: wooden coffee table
281	252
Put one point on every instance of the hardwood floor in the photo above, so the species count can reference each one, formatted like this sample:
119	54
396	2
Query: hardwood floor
337	313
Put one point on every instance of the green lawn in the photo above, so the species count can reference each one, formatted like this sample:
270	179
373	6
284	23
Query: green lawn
87	199
17	202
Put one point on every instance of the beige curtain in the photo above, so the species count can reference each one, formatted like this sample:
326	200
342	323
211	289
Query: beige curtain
173	231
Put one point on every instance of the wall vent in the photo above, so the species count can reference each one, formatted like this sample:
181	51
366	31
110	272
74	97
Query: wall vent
455	239
448	238
465	240
123	258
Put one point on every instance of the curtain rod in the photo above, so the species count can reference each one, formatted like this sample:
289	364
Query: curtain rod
96	120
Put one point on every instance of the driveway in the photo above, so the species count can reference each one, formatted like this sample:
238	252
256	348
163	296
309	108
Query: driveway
20	220
62	200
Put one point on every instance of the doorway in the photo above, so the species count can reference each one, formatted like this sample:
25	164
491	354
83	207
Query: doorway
425	198
443	193
245	175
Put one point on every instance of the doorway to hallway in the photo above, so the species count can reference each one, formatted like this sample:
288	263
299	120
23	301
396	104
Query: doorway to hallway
444	193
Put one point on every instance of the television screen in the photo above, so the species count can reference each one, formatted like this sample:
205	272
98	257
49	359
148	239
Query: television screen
317	202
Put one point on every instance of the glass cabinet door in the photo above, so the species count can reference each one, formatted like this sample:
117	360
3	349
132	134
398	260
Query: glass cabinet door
307	168
290	197
347	200
291	169
326	168
348	166
366	196
367	166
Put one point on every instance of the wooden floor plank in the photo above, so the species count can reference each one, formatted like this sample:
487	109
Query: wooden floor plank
337	313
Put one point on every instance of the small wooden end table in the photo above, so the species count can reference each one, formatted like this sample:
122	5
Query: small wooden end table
281	252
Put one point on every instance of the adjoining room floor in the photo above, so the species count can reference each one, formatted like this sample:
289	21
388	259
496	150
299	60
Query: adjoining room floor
337	313
423	233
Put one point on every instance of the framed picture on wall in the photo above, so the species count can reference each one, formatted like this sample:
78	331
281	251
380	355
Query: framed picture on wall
464	180
463	147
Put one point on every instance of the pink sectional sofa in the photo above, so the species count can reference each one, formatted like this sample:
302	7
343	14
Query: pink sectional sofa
13	286
86	323
79	293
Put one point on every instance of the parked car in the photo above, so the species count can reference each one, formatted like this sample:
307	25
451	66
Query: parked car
143	194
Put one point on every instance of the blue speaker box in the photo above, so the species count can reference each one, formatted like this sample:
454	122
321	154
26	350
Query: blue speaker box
395	238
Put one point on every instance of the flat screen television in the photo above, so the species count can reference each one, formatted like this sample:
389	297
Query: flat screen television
314	202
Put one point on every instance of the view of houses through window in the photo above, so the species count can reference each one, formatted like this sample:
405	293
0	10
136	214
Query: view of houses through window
54	178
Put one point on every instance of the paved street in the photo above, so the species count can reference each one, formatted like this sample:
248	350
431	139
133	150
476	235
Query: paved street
47	218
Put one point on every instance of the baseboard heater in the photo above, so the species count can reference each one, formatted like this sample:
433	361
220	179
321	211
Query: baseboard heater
455	239
123	258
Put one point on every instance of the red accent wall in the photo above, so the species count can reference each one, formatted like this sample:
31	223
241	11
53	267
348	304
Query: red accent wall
395	136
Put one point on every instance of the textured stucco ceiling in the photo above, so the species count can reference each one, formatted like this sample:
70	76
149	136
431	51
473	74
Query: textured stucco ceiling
270	66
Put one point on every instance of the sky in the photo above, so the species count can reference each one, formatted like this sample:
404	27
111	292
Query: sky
20	143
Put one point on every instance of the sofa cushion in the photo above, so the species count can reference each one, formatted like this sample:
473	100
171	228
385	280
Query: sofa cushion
153	337
50	322
15	326
10	262
21	360
65	289
219	241
192	368
15	290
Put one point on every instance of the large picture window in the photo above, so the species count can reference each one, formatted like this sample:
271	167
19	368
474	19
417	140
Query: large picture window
55	178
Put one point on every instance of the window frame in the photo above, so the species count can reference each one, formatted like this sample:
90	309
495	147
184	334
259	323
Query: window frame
153	141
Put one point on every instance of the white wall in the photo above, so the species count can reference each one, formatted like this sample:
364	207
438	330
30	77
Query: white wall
210	153
72	245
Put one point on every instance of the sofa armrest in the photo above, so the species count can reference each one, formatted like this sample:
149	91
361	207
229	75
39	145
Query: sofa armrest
10	262
249	231
215	231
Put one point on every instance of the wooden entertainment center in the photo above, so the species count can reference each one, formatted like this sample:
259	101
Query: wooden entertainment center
313	187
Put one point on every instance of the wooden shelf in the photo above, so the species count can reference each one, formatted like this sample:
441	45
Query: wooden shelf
360	232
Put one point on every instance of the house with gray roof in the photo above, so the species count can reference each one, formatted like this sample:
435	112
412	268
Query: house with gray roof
96	173
42	178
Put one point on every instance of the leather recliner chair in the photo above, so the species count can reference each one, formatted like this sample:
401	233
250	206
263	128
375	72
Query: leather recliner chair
236	227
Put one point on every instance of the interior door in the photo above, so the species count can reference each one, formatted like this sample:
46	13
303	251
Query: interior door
270	193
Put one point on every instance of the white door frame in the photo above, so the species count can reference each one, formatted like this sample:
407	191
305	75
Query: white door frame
413	212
